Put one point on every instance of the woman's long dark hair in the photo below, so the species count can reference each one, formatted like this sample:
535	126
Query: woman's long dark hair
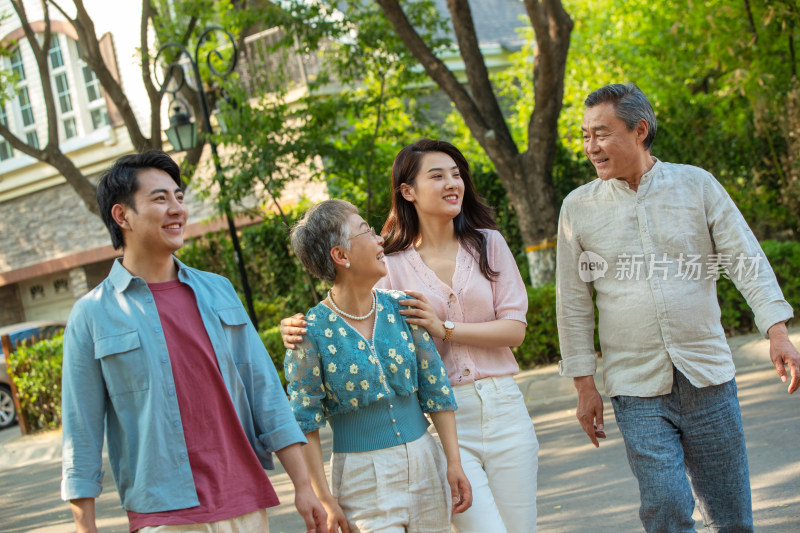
402	226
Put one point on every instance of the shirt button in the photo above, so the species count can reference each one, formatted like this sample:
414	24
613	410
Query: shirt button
171	392
393	420
466	372
149	300
176	423
164	361
391	406
452	297
398	433
156	329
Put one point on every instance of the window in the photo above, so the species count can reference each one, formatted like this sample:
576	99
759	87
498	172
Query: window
16	64
62	91
5	148
25	107
92	84
23	115
70	129
80	103
99	117
56	59
32	139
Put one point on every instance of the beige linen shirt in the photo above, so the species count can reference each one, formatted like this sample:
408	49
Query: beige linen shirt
653	257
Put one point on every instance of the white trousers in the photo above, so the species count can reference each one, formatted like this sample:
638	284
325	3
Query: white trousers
255	521
394	490
499	453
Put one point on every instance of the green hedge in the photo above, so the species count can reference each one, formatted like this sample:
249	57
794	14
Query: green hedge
36	371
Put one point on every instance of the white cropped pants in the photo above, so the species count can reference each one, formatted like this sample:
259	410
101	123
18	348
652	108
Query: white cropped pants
499	454
402	489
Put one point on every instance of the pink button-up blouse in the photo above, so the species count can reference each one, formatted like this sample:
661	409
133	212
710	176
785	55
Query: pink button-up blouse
471	298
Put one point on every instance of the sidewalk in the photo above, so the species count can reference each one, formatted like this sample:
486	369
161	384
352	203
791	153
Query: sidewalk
576	482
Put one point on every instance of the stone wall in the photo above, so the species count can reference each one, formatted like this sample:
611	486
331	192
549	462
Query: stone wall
55	223
10	305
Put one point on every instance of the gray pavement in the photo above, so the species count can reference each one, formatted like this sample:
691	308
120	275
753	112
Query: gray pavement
581	489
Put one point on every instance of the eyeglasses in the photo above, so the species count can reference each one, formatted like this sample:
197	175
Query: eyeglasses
370	230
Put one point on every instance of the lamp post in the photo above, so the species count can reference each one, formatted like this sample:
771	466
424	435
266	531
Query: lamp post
182	132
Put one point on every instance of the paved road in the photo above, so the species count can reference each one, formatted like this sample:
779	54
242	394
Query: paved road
581	489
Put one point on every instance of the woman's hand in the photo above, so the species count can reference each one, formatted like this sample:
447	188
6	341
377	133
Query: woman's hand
292	330
336	519
420	313
460	489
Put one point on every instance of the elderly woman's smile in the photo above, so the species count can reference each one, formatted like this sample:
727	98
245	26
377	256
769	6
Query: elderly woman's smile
366	249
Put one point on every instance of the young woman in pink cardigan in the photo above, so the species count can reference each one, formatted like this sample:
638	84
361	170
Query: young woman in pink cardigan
443	248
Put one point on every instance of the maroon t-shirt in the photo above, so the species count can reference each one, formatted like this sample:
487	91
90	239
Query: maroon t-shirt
228	477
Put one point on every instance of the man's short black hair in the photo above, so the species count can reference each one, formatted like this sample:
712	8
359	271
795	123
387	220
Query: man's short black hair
630	105
120	182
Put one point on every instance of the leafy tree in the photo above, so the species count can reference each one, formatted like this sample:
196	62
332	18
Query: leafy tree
358	95
81	20
712	71
370	93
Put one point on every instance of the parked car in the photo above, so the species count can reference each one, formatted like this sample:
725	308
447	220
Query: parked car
17	333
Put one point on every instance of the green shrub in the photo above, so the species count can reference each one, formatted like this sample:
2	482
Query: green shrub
36	371
541	335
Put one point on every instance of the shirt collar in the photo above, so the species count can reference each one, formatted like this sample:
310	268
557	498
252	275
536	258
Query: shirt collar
646	177
121	278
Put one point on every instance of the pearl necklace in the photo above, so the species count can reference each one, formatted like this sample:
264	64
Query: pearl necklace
353	317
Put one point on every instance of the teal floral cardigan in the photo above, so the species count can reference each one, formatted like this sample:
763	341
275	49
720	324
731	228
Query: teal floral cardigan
335	370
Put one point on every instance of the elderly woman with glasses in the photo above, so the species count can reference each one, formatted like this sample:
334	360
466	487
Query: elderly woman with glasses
372	375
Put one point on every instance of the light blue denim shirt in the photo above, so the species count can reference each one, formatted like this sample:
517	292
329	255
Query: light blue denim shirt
117	371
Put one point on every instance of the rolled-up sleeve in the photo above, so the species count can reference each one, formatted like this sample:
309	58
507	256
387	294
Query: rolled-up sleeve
275	424
83	408
574	306
750	270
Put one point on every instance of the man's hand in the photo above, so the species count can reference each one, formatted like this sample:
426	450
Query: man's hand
310	508
590	409
292	330
783	354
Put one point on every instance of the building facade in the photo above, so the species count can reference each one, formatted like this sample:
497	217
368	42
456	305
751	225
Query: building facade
52	248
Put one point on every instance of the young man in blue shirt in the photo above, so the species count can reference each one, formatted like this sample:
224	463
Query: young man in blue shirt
165	358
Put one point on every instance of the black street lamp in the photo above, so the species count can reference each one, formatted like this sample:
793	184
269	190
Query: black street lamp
182	133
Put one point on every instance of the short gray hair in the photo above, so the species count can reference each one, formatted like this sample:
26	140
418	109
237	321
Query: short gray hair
323	227
630	104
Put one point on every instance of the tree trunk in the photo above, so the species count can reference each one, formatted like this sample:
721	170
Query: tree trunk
526	177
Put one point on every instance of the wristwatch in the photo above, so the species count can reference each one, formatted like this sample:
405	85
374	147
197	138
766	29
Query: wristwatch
448	330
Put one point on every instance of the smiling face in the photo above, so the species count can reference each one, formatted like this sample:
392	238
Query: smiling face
366	251
155	221
615	151
437	190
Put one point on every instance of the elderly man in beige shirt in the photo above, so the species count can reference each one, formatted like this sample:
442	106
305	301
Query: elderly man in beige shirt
651	239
